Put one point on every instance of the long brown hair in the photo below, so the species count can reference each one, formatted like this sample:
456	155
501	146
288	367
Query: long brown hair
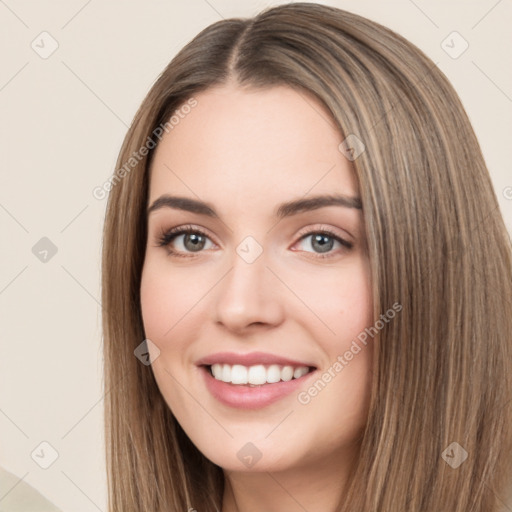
437	244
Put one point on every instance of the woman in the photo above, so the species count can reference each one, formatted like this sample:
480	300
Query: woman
306	281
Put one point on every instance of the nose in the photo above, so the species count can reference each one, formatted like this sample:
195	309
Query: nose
249	296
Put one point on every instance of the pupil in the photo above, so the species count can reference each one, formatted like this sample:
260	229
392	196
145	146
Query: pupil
196	242
321	239
323	242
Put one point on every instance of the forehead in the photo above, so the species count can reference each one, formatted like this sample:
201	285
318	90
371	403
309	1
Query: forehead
249	147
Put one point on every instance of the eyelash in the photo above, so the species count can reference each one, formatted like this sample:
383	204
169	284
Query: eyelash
165	239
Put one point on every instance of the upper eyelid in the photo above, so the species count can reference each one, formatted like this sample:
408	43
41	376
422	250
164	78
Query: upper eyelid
323	227
303	233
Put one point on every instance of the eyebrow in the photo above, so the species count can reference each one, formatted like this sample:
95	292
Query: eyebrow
284	210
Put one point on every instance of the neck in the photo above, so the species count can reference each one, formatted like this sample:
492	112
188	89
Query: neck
316	487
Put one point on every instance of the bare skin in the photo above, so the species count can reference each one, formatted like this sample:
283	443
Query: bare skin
245	152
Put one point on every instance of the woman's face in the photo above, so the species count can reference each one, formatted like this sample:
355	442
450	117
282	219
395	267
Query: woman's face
272	286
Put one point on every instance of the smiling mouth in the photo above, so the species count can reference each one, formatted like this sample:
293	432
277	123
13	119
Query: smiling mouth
257	375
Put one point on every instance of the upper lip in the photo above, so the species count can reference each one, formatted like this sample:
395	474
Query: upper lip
250	359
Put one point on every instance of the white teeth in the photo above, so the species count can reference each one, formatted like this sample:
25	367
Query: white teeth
287	373
273	374
299	372
257	374
238	374
226	373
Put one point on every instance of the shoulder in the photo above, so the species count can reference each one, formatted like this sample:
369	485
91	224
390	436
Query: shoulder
21	497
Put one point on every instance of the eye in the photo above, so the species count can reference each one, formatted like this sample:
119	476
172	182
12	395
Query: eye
323	240
188	239
184	241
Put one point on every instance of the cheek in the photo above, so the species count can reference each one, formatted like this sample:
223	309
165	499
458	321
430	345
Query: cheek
166	297
166	306
341	300
157	303
344	306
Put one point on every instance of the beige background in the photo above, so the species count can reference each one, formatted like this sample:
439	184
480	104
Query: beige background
63	119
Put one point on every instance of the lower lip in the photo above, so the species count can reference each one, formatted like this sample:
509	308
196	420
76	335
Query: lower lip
243	396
